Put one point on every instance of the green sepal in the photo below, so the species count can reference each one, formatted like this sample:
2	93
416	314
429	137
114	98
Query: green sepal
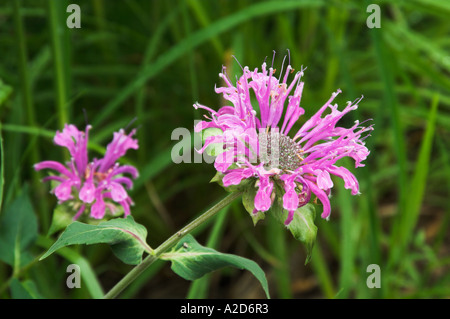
217	178
302	226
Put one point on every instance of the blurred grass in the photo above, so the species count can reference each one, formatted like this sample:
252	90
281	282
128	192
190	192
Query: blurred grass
151	60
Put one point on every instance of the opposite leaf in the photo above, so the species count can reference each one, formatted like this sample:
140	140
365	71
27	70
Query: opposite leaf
191	261
124	235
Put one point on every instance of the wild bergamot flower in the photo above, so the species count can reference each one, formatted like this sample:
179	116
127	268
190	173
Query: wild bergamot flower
256	144
97	185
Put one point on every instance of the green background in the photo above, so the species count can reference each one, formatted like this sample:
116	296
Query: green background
151	60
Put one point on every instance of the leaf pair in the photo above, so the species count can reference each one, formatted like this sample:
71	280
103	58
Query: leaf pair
127	240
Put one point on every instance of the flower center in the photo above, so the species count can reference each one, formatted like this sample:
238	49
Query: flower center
279	151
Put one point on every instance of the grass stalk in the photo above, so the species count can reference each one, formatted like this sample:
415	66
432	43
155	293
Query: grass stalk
56	29
28	101
199	287
278	247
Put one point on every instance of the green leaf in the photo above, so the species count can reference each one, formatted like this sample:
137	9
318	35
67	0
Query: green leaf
18	230
302	226
124	235
191	261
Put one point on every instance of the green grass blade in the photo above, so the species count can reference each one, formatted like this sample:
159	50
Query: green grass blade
23	65
347	224
56	31
445	225
199	287
322	273
385	66
418	184
28	130
195	40
150	51
87	273
202	16
277	244
36	131
2	168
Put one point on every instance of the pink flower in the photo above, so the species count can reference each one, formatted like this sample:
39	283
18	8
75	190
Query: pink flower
98	184
258	145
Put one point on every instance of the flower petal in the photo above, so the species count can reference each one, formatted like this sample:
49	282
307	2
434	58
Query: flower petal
126	207
98	208
289	218
118	193
124	180
80	211
290	200
323	197
128	169
76	142
64	191
323	179
60	168
224	160
262	198
117	148
235	176
87	192
350	181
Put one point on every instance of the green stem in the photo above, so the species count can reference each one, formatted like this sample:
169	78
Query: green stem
58	61
171	241
23	65
18	272
28	102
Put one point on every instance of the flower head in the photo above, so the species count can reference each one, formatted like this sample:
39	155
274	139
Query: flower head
258	144
99	184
